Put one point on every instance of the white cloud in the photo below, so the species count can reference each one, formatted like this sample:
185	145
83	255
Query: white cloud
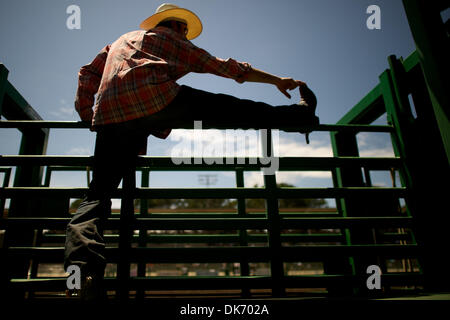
253	178
375	145
294	148
379	152
292	177
79	151
64	111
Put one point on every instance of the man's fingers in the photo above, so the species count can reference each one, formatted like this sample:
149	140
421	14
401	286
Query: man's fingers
286	84
286	93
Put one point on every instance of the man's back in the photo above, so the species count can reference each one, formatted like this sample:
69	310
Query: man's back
135	76
139	75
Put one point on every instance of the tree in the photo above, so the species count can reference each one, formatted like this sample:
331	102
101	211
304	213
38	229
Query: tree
224	203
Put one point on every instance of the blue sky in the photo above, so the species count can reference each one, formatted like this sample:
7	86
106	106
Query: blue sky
323	42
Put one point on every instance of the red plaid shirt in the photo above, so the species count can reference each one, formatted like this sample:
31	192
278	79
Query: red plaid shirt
135	76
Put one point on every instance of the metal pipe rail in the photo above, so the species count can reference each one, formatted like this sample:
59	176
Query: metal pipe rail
32	124
164	163
231	239
231	223
227	254
161	283
214	193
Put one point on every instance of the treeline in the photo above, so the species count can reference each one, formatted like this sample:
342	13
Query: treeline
225	203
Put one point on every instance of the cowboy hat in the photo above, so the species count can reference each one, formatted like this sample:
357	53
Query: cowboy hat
168	11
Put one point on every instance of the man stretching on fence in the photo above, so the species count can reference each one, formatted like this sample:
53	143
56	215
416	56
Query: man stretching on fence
137	95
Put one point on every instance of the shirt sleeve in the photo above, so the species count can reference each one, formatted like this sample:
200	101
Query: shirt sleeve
89	78
202	62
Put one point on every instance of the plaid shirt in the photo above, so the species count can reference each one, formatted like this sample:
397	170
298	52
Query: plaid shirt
135	76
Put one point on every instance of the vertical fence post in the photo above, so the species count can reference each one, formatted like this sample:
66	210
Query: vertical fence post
6	178
243	236
345	144
3	81
126	232
143	232
33	142
273	217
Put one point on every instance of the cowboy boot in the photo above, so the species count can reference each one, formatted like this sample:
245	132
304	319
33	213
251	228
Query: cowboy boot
308	101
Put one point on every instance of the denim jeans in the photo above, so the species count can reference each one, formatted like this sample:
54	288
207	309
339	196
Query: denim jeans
117	147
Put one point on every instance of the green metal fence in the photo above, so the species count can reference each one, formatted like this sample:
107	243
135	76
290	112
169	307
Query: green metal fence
371	225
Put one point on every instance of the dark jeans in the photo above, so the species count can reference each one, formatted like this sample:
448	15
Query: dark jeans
117	147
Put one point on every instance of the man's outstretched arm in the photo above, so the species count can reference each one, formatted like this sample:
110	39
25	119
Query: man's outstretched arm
201	61
283	84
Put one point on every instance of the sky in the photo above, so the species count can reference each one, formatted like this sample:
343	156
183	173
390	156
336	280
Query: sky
325	43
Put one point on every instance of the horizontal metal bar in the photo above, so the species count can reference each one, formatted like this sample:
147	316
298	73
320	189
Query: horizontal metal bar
353	222
229	254
210	238
21	124
236	282
13	160
155	283
231	238
213	193
262	223
228	238
225	282
218	223
200	223
81	125
329	163
215	215
251	163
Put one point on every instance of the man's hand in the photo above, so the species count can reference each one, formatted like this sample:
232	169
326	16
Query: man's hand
284	84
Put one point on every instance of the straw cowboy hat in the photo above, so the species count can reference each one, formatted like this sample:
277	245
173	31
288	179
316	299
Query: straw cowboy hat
168	11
